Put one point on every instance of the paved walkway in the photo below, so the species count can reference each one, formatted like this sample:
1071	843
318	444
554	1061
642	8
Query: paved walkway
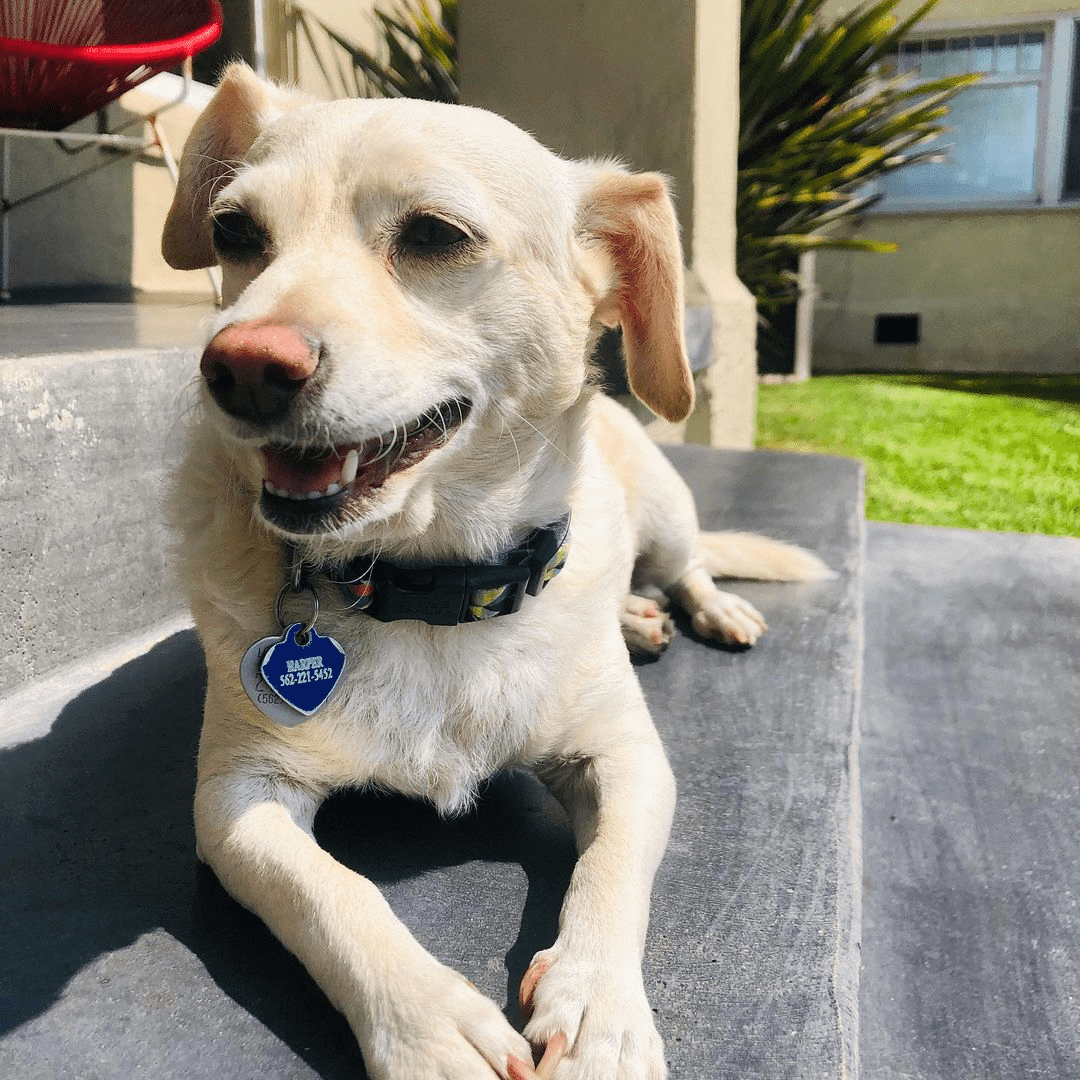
971	805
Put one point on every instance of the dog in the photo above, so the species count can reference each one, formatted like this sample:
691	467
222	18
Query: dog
400	454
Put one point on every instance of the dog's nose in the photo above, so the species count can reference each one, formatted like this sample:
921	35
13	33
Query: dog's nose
254	370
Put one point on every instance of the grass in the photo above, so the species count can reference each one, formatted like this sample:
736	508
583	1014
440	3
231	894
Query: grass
971	452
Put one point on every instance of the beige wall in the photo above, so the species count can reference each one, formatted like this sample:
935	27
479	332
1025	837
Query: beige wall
587	83
995	290
152	192
289	53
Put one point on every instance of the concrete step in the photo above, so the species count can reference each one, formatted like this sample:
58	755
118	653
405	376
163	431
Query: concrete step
89	400
123	959
970	765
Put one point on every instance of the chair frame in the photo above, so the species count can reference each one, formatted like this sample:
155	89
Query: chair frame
122	146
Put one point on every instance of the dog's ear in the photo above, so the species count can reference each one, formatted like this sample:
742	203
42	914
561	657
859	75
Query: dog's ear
631	218
240	109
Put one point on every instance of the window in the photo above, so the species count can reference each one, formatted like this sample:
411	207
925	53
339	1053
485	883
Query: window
1005	138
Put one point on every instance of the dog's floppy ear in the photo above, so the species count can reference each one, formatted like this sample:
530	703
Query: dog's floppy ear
240	109
631	217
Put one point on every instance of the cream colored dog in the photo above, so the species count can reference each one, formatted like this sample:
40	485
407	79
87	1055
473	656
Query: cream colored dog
398	392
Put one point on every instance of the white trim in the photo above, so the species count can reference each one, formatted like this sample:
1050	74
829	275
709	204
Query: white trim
1001	24
258	33
909	209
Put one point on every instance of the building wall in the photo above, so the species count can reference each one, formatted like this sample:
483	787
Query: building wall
995	292
995	289
350	18
655	84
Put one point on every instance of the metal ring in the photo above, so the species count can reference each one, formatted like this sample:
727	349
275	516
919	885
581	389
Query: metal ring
288	590
295	567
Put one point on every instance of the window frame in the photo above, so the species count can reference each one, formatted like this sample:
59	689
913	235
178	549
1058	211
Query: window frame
1061	30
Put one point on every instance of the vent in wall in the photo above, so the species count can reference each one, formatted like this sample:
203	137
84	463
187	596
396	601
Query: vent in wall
896	329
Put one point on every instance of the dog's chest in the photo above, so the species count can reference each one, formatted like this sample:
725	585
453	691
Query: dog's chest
433	711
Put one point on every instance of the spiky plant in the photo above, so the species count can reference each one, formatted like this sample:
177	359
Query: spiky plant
822	113
419	41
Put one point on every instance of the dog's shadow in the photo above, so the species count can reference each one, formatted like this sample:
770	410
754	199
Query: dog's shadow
97	851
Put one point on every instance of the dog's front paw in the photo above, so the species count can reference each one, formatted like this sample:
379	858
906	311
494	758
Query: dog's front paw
728	618
593	1022
442	1028
647	628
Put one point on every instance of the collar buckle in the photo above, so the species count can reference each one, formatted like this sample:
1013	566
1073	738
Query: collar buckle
450	594
443	595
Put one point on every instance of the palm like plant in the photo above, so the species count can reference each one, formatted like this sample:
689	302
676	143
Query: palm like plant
822	115
420	43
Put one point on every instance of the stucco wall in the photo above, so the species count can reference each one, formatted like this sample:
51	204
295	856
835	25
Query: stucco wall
655	83
586	83
995	292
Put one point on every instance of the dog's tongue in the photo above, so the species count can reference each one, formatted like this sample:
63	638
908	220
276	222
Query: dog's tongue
298	473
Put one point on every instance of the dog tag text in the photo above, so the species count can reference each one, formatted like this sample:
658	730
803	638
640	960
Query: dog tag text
291	677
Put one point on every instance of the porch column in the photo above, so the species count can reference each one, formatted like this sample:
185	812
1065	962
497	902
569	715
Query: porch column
654	83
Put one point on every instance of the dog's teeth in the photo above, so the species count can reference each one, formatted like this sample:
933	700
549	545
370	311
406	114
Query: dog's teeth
350	468
312	495
333	489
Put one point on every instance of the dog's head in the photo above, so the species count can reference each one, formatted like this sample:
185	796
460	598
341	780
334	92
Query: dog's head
411	295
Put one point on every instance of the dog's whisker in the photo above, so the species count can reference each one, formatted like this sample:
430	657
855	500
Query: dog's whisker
558	449
513	438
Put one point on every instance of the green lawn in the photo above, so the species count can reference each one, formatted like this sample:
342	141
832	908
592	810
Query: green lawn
971	452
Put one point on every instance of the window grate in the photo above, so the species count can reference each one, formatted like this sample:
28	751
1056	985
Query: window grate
897	329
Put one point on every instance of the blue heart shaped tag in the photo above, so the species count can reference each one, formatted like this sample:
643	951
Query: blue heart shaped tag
303	673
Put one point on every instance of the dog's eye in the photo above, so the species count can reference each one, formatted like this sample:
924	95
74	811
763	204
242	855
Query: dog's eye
237	234
429	235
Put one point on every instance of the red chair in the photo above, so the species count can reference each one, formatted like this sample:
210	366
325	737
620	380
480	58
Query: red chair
61	60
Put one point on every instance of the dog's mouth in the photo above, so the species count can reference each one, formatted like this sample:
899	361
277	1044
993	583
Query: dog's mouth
310	489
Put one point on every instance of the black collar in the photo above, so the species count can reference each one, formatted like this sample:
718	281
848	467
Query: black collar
446	595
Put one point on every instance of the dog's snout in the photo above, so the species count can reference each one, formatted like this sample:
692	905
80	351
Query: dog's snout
254	370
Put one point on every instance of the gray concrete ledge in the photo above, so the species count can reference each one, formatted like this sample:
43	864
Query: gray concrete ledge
86	440
123	959
51	328
757	920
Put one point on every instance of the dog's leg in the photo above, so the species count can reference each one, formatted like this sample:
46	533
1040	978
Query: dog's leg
683	561
413	1016
672	558
585	994
674	555
716	613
